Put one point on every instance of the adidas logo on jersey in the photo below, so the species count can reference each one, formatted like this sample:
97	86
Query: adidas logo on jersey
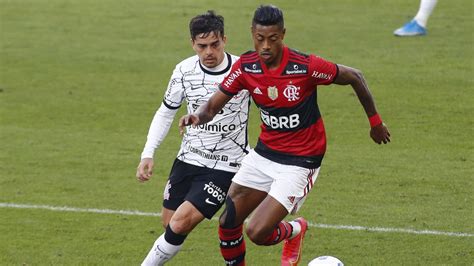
257	91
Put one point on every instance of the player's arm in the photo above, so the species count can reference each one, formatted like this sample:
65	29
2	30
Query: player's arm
159	128
161	123
206	112
351	76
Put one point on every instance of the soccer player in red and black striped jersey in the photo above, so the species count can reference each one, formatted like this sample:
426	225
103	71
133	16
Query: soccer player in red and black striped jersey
277	175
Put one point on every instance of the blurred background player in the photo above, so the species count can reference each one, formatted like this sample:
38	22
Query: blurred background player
210	154
417	26
278	174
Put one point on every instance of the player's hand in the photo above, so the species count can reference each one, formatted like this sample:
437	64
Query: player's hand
380	134
186	120
145	169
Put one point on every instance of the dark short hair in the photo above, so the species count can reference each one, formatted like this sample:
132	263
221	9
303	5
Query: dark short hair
268	15
207	23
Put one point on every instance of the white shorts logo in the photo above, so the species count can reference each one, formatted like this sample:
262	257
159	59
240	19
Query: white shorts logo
208	201
214	191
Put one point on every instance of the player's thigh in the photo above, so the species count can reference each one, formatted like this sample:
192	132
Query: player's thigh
208	190
252	173
250	185
292	185
244	200
178	184
269	213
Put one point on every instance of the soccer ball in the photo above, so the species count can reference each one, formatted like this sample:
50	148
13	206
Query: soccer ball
326	261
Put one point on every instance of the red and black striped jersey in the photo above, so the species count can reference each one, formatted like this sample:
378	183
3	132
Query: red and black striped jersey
292	130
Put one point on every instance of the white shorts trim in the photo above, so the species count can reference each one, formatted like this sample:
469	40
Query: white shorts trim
288	184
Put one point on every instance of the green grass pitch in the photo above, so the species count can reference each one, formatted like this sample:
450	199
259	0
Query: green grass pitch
81	80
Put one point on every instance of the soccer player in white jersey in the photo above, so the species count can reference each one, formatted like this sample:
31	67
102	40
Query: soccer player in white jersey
211	153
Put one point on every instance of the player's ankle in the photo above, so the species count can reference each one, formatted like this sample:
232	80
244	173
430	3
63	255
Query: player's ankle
296	228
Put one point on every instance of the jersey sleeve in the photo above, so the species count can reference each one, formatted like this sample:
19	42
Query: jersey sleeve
322	72
174	95
233	82
159	128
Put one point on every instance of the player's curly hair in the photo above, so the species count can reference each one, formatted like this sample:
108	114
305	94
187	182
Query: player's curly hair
207	23
268	15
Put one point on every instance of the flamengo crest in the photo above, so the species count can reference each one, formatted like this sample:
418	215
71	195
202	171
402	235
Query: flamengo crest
292	93
272	92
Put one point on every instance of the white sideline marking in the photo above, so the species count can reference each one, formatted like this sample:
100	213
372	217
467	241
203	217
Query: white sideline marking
73	209
311	224
388	230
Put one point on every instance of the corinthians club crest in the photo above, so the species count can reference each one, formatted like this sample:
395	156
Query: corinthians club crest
272	92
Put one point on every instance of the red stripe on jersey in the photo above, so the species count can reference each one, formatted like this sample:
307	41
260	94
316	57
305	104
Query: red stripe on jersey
250	57
299	59
295	60
310	141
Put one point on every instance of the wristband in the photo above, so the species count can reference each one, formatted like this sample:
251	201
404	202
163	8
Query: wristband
375	120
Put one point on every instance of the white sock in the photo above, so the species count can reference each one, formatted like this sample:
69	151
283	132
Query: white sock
161	252
426	7
296	228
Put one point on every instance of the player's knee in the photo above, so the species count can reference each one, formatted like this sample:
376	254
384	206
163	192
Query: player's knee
222	219
181	226
259	232
227	218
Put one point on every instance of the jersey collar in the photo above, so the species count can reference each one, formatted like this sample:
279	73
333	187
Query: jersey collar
283	62
214	71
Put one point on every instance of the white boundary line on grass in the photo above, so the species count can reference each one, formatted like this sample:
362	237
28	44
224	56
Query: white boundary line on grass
311	224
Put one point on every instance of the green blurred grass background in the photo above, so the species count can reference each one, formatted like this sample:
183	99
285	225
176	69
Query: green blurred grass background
81	80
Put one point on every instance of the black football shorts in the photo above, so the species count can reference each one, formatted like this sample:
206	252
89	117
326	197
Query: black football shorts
203	187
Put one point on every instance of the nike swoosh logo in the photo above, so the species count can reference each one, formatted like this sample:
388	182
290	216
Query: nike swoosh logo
210	202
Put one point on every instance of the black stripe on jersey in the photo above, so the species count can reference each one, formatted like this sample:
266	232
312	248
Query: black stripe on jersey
298	60
292	118
171	107
226	92
250	56
297	53
229	65
298	64
246	54
310	162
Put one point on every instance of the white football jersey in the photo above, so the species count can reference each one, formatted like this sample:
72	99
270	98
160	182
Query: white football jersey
222	143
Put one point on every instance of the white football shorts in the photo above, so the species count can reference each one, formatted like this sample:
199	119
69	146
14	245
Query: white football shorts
288	184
